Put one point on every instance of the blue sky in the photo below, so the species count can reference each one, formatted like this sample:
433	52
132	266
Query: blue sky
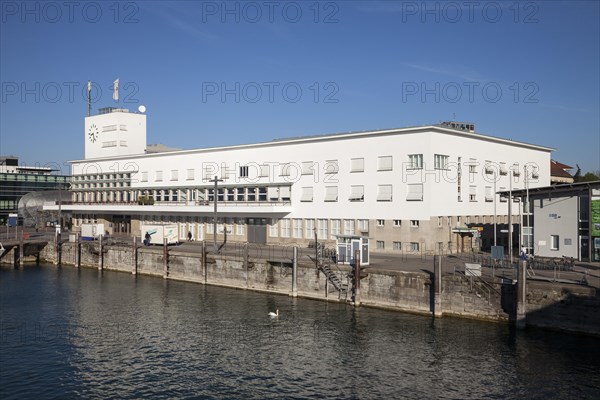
219	73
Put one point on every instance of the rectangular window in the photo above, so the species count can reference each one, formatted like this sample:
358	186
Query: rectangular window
349	227
380	244
415	192
284	192
357	193
516	170
472	193
415	161
284	170
241	194
307	194
308	168
384	193
251	194
503	199
244	171
158	176
357	165
331	193
322	229
381	222
414	223
384	163
264	171
441	161
335	228
397	222
298	228
331	167
230	194
285	227
488	194
174	175
554	241
309	228
262	193
472	166
440	219
363	225
397	245
273	193
273	228
489	167
190	174
414	246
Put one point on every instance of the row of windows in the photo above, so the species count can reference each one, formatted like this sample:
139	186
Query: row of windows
399	246
34	178
101	177
93	185
357	193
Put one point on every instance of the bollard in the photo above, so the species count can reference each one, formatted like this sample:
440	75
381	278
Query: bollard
521	295
246	257
295	273
21	251
357	278
437	286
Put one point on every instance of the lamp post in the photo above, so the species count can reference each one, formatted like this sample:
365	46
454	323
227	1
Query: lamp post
216	180
495	213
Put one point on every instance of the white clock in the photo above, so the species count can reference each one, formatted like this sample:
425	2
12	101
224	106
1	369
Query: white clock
93	133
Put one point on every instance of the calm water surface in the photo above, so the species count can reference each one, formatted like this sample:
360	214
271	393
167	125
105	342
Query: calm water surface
68	333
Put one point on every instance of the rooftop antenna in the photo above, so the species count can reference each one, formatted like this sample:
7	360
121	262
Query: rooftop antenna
89	98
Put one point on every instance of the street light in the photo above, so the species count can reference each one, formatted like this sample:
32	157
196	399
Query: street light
216	180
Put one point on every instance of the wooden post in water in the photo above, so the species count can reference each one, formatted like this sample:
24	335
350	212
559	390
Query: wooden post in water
204	262
165	259
295	273
134	255
100	253
56	250
357	278
521	295
246	257
437	286
21	251
78	251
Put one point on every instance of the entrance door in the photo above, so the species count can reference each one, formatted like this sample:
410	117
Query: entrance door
584	248
257	230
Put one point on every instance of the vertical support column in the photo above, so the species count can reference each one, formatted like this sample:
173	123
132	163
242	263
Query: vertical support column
56	250
204	261
165	259
521	295
134	256
437	286
357	278
100	253
295	272
78	252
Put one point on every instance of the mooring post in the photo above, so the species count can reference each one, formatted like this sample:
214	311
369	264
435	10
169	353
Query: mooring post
100	253
165	259
521	295
204	263
56	250
295	272
134	255
437	286
78	251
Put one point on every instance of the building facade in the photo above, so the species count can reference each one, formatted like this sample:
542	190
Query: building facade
18	180
408	189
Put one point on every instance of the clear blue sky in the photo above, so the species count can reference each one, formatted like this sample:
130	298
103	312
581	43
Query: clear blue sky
527	71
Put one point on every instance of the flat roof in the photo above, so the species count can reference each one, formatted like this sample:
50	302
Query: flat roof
334	136
564	188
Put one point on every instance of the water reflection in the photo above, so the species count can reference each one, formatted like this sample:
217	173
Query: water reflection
67	333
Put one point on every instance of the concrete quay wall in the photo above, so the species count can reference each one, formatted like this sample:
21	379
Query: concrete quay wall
564	307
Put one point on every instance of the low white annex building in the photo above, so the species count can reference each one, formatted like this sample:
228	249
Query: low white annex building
406	189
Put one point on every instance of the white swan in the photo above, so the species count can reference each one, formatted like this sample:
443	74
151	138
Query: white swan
274	314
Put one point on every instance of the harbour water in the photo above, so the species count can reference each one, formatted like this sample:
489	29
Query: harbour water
82	333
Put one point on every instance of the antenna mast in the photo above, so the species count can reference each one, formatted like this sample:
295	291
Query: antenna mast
89	98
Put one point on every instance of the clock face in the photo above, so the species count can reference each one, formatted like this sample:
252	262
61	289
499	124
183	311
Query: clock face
93	133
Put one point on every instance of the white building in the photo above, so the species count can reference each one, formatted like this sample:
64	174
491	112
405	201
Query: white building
406	189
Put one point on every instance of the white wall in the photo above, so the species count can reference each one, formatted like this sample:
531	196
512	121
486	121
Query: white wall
126	131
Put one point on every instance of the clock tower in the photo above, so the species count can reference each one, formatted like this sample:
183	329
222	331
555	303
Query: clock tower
115	132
